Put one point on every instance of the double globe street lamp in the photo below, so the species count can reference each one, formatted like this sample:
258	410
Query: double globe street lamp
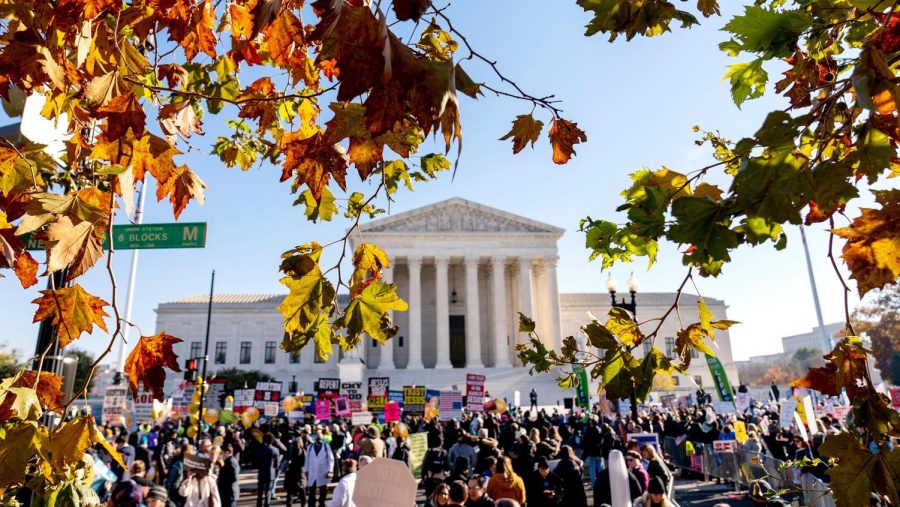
612	285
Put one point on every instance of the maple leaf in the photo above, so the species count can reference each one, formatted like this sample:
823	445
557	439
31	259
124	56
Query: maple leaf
872	251
859	471
368	261
284	37
314	161
241	21
146	362
845	368
18	444
264	111
410	9
149	153
26	269
121	113
691	338
622	324
525	129
190	25
73	309
564	135
103	88
19	403
367	313
73	246
182	186
310	292
72	439
173	73
49	388
179	118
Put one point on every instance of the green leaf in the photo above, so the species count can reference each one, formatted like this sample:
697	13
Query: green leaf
622	324
874	152
324	209
310	292
395	172
526	324
748	80
434	163
367	313
768	32
859	471
465	84
599	336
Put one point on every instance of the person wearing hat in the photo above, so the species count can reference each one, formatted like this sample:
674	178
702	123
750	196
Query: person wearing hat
157	497
373	445
633	462
655	496
543	487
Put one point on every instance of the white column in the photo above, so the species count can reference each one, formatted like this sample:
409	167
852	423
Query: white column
386	351
525	306
415	312
498	279
442	312
473	323
552	296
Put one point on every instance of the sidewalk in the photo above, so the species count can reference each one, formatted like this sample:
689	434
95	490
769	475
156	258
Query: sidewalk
696	493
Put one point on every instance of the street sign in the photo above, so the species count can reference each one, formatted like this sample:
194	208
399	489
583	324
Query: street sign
145	236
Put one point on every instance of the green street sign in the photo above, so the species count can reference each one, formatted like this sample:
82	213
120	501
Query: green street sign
145	236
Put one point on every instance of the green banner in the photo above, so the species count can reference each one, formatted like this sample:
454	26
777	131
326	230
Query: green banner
583	398
720	378
418	446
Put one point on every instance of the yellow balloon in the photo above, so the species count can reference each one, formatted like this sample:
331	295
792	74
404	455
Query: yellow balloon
193	408
289	403
253	412
211	415
229	399
401	430
199	381
218	440
246	420
191	431
501	406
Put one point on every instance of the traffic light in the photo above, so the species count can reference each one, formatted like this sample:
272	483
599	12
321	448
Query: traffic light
190	370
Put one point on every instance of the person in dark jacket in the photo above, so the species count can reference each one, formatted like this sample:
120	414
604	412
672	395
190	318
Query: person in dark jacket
295	477
229	477
570	469
478	497
543	488
267	460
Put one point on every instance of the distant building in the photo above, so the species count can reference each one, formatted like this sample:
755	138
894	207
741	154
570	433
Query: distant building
103	377
466	271
811	340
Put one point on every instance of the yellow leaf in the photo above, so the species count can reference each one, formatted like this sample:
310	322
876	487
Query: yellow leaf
73	309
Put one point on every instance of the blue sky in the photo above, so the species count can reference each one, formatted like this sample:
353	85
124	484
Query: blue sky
636	100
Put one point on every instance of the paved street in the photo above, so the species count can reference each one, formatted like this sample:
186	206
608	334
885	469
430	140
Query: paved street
688	493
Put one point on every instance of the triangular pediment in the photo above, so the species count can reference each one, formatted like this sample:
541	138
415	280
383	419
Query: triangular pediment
459	216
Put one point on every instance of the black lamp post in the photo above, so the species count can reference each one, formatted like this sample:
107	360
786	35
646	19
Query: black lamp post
631	307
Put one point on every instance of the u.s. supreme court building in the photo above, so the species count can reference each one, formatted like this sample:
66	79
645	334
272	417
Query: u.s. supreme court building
466	271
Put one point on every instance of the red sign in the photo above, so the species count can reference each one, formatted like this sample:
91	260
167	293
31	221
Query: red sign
724	445
391	411
475	392
895	397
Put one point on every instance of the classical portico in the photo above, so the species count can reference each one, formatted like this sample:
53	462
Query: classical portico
466	270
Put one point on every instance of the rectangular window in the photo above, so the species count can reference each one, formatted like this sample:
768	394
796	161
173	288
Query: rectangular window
694	353
220	352
270	352
675	379
670	347
698	379
196	349
245	352
294	358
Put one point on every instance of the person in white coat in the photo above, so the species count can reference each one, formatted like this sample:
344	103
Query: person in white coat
319	470
343	492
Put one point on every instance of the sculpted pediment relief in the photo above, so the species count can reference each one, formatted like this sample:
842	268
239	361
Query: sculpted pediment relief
452	217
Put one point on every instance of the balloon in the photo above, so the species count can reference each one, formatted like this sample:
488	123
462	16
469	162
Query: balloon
253	412
196	397
191	431
246	420
227	416
218	441
289	403
193	408
180	432
501	406
229	399
401	430
211	415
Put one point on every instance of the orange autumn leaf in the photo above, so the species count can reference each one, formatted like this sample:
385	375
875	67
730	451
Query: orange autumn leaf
872	251
564	135
146	363
49	388
314	161
73	309
182	186
26	269
179	118
73	246
284	36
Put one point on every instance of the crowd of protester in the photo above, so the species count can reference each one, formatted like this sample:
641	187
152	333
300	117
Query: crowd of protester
532	458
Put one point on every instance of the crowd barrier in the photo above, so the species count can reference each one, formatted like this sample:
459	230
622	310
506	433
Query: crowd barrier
743	468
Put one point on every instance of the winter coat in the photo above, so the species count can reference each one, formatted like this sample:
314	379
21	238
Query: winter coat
319	465
267	461
499	486
536	486
200	492
343	492
294	477
229	480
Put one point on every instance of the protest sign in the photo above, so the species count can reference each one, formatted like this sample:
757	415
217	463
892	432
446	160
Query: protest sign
742	402
583	396
215	393
360	418
697	462
328	388
810	413
143	406
295	416
475	392
342	406
414	400
645	438
788	407
624	407
668	401
418	446
243	399
385	483
378	393
267	398
724	446
391	411
323	410
740	431
450	405
196	464
723	407
353	392
395	395
115	402
800	427
895	397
